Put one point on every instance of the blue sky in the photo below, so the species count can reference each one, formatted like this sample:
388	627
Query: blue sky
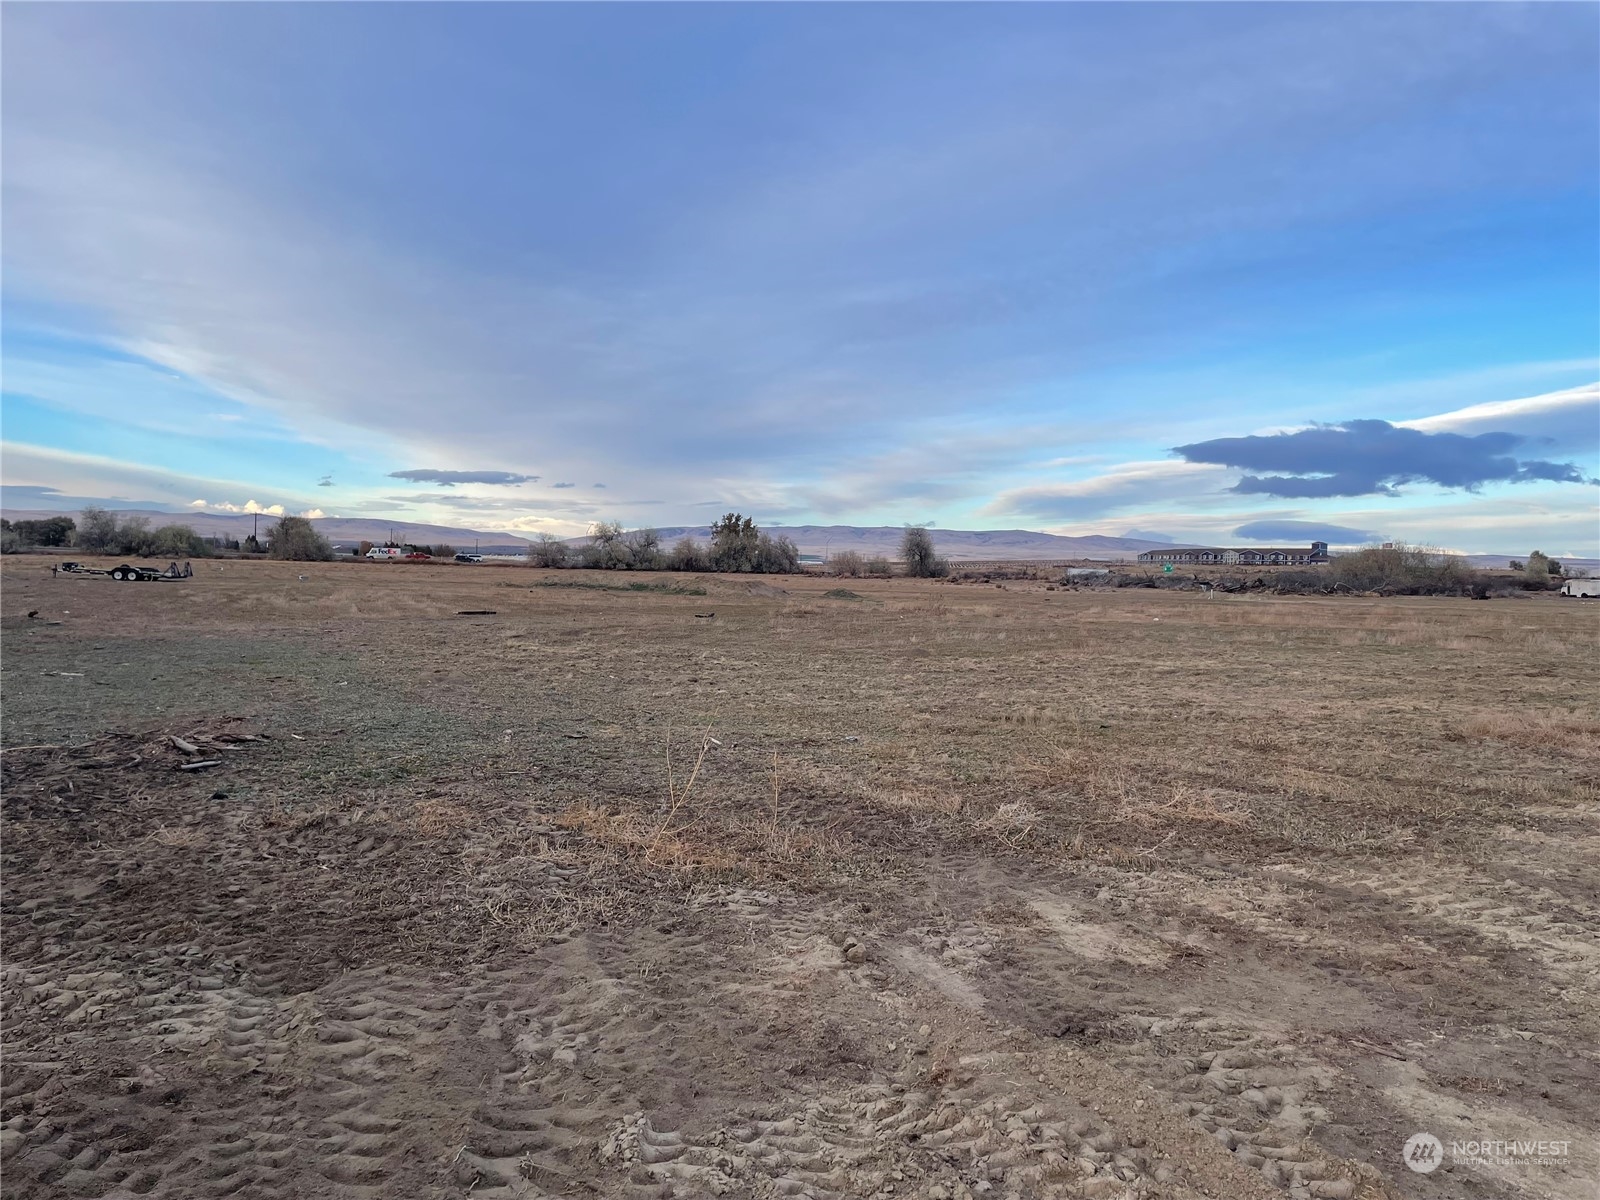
528	266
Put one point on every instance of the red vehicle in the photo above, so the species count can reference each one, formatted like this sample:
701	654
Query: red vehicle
419	556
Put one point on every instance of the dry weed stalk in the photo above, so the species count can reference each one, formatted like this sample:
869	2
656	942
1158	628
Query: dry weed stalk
1012	822
1185	804
676	799
774	790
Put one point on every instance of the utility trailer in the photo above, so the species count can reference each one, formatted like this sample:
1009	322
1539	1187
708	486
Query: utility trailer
130	574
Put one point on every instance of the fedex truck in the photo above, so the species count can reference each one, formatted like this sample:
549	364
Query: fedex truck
386	554
1583	589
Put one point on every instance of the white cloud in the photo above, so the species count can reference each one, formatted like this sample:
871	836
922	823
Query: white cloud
1127	485
116	480
1568	419
313	513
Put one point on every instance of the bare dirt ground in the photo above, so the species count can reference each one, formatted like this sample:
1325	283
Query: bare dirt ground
977	891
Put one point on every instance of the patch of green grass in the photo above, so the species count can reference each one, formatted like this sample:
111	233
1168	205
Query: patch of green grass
664	589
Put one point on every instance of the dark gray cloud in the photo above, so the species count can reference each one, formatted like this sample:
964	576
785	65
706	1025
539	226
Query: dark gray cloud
563	485
1304	531
451	478
325	481
1365	458
26	497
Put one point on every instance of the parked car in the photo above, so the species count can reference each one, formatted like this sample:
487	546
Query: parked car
469	558
418	556
1583	589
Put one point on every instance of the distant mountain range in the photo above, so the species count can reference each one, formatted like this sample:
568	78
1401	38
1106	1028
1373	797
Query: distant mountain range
820	540
958	545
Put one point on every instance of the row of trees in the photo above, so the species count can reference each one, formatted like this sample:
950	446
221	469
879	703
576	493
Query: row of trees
736	545
97	531
1539	568
52	531
917	554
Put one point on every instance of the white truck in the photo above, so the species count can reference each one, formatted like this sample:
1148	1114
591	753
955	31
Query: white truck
1583	589
385	553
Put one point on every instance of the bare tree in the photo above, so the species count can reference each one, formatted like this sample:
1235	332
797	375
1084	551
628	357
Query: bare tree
916	548
547	550
643	549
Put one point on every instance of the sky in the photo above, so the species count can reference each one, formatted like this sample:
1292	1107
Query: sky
1207	272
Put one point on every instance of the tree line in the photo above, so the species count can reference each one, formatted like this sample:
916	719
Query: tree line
97	531
737	546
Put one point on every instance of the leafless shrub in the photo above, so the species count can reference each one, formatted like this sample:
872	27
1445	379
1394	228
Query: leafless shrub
547	550
688	555
847	564
777	555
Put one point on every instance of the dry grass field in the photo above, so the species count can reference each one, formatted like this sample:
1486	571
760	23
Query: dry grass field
925	889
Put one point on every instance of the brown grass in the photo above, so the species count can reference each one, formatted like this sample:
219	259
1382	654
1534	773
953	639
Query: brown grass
1553	730
179	839
1389	805
438	818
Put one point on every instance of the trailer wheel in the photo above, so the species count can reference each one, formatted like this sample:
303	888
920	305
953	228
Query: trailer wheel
124	574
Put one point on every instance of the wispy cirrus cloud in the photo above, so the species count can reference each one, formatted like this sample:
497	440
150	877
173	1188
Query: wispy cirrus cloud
1125	486
1569	419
